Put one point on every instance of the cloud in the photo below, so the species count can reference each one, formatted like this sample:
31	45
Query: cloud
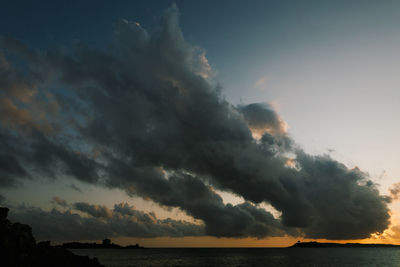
14	84
10	171
201	202
395	232
394	191
96	211
261	119
261	83
59	201
141	116
74	187
345	204
62	226
21	106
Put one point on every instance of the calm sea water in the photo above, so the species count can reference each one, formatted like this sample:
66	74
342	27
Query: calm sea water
246	257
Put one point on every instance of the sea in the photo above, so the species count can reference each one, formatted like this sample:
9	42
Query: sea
231	257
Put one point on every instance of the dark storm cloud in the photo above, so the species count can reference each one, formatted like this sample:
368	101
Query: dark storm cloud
36	154
200	201
48	154
67	225
10	171
345	204
141	116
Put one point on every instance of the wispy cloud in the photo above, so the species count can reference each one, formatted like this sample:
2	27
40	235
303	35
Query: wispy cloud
262	83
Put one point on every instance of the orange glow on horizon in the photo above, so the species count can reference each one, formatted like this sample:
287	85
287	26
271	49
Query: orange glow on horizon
207	241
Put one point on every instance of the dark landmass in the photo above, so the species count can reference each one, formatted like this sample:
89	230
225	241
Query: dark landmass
106	244
18	248
338	245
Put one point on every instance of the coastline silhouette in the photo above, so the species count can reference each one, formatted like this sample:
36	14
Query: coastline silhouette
105	244
314	244
19	248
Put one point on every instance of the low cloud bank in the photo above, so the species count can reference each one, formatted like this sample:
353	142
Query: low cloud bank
98	222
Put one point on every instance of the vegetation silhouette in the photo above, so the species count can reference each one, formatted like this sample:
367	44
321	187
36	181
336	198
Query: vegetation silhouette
18	248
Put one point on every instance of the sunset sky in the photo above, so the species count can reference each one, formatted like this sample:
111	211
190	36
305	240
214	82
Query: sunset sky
201	123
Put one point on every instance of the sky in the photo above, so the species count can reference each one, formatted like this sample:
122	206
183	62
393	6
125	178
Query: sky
201	123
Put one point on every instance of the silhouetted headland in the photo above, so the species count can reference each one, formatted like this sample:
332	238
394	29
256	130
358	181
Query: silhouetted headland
18	248
106	244
314	244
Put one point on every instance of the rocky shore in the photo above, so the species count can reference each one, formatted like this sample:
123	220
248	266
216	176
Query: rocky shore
18	247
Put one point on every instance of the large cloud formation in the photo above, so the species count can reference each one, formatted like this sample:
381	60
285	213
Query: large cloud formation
142	116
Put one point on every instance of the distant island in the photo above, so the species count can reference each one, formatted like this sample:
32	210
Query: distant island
106	244
314	244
